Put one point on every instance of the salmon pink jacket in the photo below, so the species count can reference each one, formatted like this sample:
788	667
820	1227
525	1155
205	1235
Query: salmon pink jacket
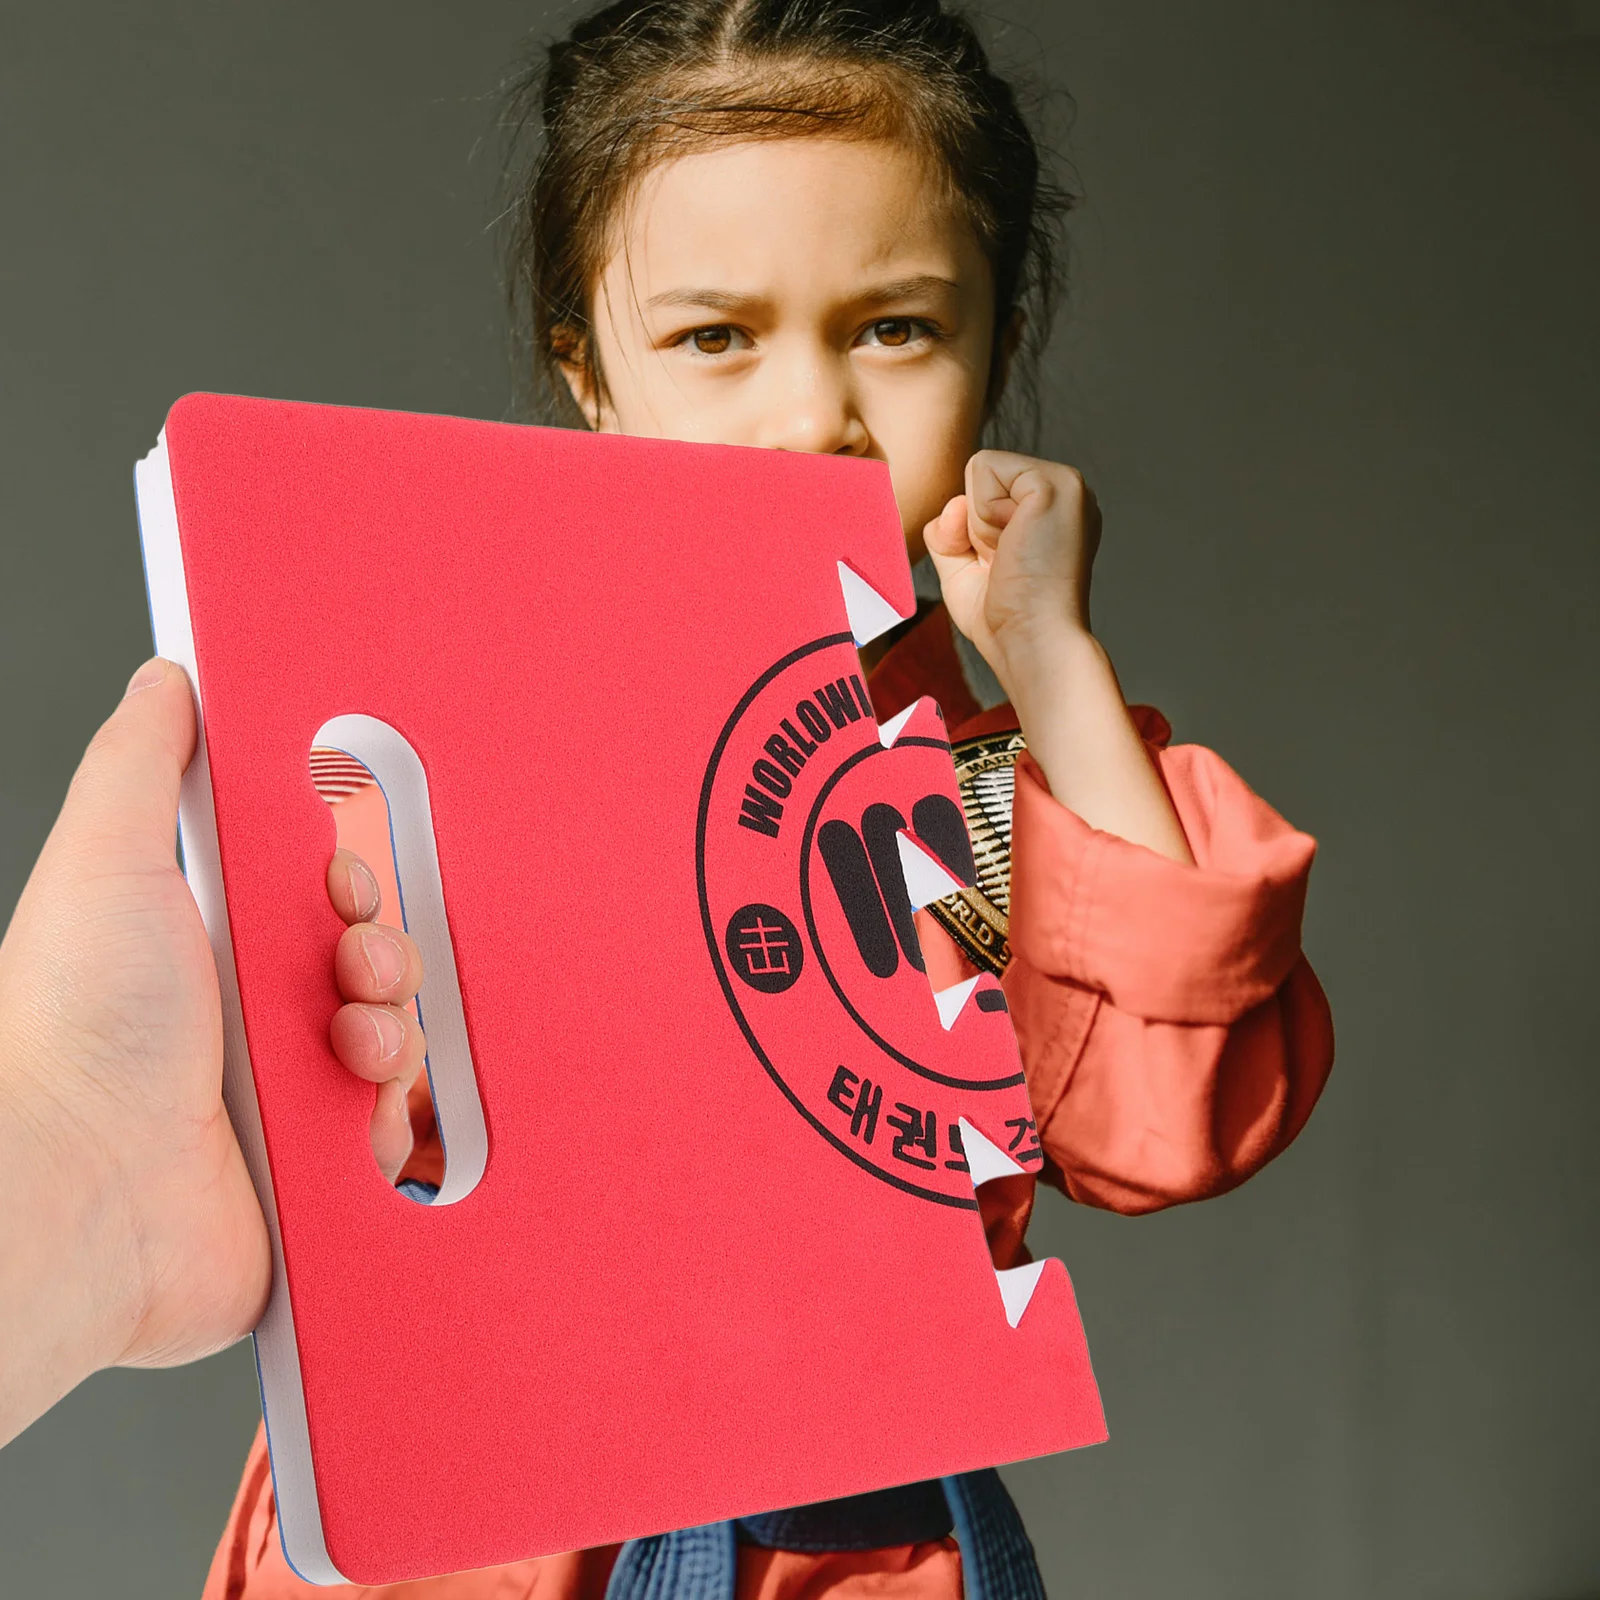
1173	1034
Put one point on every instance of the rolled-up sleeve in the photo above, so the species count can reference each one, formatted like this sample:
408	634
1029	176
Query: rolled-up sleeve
1174	1035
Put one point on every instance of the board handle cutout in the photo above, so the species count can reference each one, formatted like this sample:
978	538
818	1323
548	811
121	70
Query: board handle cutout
403	783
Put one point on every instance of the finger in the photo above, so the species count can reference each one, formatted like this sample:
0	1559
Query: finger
390	1130
1000	483
376	963
378	1043
125	792
353	887
946	535
995	485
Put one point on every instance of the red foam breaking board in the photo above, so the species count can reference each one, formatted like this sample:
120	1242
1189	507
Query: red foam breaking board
707	1244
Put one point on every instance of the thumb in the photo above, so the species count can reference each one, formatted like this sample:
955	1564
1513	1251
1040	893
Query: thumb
946	534
124	796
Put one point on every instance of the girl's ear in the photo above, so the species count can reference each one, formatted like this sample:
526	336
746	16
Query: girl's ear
578	371
1008	341
581	386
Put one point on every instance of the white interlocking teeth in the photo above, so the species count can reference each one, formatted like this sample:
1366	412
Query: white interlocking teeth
889	731
986	1161
985	1158
951	1000
1016	1288
926	879
870	614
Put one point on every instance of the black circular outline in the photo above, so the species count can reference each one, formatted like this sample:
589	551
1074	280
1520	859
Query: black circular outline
782	665
875	749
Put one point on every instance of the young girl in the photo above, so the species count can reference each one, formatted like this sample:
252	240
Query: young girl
821	225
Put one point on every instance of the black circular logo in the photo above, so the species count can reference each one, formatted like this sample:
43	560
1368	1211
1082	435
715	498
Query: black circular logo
819	836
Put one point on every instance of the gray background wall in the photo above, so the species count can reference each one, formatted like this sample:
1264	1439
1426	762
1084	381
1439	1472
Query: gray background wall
1331	362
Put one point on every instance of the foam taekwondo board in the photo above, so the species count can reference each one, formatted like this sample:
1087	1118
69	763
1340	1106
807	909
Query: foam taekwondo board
707	1243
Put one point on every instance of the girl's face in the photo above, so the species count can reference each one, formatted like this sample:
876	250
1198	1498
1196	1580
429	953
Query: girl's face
800	294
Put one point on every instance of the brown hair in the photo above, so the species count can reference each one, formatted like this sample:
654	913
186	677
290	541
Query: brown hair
639	79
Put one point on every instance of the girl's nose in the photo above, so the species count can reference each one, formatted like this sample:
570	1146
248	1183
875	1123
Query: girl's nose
812	409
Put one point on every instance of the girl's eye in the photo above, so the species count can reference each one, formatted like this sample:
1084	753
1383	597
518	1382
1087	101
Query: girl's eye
717	341
896	332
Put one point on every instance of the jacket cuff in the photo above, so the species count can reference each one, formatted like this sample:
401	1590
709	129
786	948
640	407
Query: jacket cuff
1163	940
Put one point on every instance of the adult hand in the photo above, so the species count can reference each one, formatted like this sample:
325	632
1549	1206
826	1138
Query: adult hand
129	1231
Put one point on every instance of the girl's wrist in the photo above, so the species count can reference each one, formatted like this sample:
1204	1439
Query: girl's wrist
1038	657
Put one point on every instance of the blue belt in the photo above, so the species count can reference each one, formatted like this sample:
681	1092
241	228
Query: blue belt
997	1561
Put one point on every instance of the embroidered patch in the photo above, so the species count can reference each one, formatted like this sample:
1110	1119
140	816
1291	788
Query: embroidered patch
979	918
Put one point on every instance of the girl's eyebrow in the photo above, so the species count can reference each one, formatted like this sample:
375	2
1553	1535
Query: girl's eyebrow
908	289
730	303
710	299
